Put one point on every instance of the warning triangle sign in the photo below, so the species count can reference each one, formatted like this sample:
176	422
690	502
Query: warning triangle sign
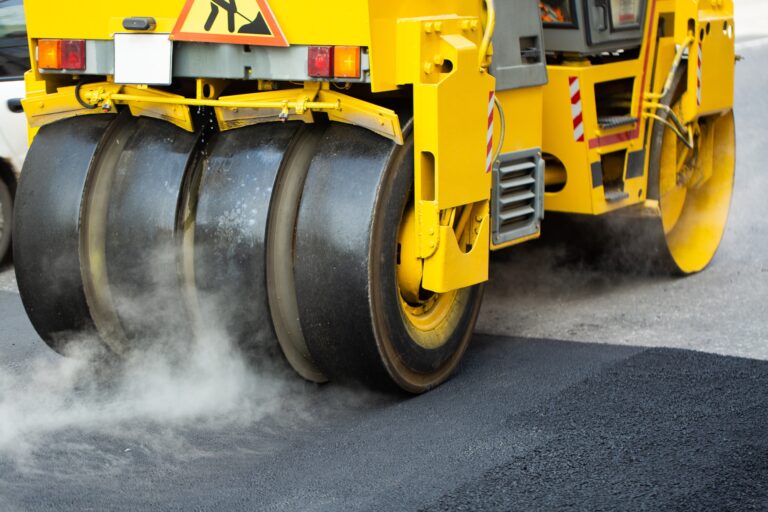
229	21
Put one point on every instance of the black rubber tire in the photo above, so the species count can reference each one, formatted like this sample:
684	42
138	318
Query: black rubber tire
237	179
143	231
346	237
6	220
47	225
97	250
281	282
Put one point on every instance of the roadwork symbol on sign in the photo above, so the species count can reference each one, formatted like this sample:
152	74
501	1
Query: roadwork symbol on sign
229	21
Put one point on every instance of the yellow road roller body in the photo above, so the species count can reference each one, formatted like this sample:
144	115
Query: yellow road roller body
331	177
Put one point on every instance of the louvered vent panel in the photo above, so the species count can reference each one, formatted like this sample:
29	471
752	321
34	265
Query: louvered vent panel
517	200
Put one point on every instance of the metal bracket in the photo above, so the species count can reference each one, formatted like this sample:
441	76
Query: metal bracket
231	111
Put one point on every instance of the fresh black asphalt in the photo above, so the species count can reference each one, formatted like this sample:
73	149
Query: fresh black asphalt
662	430
524	425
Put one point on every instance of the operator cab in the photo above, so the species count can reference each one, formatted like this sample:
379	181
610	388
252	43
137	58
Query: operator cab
588	27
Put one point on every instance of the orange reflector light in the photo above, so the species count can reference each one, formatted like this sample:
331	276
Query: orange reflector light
61	54
346	62
49	54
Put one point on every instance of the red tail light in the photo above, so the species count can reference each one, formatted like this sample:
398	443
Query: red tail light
73	54
320	63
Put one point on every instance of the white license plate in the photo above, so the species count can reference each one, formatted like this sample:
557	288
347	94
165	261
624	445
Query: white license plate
143	59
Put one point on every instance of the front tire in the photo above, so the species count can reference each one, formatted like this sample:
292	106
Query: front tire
693	187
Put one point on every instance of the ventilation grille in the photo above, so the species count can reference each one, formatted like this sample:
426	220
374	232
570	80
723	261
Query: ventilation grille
518	196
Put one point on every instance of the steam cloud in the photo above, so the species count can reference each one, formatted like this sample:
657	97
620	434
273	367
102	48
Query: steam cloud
152	392
147	399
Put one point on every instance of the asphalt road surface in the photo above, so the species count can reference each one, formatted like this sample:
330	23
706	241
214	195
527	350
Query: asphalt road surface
590	389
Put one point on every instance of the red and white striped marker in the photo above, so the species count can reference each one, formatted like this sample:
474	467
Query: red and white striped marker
489	151
698	77
577	111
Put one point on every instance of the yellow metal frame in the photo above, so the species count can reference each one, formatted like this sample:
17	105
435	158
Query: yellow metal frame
692	26
442	53
450	98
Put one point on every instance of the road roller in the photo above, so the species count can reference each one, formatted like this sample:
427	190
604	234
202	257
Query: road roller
322	182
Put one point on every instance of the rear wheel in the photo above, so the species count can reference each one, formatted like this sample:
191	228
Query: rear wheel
238	175
281	282
360	319
98	231
284	236
137	233
48	223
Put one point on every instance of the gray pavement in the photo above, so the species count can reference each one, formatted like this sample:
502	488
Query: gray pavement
751	21
540	291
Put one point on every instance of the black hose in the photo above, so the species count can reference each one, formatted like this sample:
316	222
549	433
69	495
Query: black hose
80	100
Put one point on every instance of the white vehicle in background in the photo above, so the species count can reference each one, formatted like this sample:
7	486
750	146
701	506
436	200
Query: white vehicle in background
14	61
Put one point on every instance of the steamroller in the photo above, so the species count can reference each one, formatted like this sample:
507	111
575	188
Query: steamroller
323	182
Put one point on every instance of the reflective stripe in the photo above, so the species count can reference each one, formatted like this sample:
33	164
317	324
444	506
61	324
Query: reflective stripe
577	111
489	148
698	76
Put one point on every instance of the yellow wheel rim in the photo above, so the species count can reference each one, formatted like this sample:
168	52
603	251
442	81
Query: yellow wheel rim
695	188
428	315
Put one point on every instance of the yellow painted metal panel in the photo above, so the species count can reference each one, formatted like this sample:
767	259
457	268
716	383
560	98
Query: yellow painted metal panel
95	19
718	65
524	122
560	142
303	21
385	38
451	268
450	96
